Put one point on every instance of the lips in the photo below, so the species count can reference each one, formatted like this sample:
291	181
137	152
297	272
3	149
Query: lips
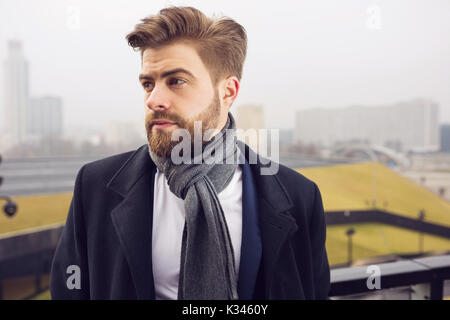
162	124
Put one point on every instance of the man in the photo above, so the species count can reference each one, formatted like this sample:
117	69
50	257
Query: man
145	225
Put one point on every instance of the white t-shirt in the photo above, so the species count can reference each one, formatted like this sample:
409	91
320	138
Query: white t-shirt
168	224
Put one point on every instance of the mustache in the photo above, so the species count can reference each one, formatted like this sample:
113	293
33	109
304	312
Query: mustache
167	116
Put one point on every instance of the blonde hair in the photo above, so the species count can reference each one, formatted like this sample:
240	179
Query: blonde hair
221	43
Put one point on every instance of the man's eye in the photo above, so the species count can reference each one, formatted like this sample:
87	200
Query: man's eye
147	85
176	81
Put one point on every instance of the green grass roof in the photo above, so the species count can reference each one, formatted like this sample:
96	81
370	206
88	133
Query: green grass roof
349	186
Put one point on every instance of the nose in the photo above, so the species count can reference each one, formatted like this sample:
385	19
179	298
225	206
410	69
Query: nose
158	99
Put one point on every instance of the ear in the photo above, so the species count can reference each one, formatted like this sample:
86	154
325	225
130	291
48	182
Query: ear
229	91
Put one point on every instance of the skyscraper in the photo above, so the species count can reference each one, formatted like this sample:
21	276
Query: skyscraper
445	137
16	94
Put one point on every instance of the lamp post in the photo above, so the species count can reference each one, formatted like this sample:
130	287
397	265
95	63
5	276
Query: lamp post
373	157
349	234
421	217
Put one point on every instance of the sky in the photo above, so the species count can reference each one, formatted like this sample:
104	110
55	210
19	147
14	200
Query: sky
301	54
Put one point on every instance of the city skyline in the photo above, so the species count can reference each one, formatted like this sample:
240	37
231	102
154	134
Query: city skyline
403	126
21	67
410	125
335	57
27	118
31	118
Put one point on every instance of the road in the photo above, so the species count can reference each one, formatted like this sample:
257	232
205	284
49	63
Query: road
57	174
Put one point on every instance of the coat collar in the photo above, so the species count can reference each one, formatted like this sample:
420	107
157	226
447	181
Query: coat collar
131	218
133	224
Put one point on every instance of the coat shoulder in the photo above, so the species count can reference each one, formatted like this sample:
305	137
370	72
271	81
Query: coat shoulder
102	170
303	192
295	181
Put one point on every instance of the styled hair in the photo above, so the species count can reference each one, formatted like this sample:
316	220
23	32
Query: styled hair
220	43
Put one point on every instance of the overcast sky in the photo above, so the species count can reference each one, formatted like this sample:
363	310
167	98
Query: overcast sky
301	54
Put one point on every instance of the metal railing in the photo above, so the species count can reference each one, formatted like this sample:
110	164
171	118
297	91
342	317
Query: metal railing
30	252
424	276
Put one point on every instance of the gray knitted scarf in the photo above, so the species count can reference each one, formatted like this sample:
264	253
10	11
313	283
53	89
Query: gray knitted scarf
207	269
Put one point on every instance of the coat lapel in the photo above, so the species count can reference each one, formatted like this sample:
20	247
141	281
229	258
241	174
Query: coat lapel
276	223
132	218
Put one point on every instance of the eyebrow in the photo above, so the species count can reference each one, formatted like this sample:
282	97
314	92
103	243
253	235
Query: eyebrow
167	73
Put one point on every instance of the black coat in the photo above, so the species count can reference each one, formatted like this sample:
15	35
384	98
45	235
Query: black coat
108	233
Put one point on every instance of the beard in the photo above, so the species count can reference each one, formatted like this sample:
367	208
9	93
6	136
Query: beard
159	140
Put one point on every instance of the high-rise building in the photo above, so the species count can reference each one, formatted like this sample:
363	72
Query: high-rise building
445	137
411	125
16	94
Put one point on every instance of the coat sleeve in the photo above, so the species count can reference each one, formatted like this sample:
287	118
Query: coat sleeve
320	259
69	271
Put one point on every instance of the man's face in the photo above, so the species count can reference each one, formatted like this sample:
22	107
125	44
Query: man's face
178	91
